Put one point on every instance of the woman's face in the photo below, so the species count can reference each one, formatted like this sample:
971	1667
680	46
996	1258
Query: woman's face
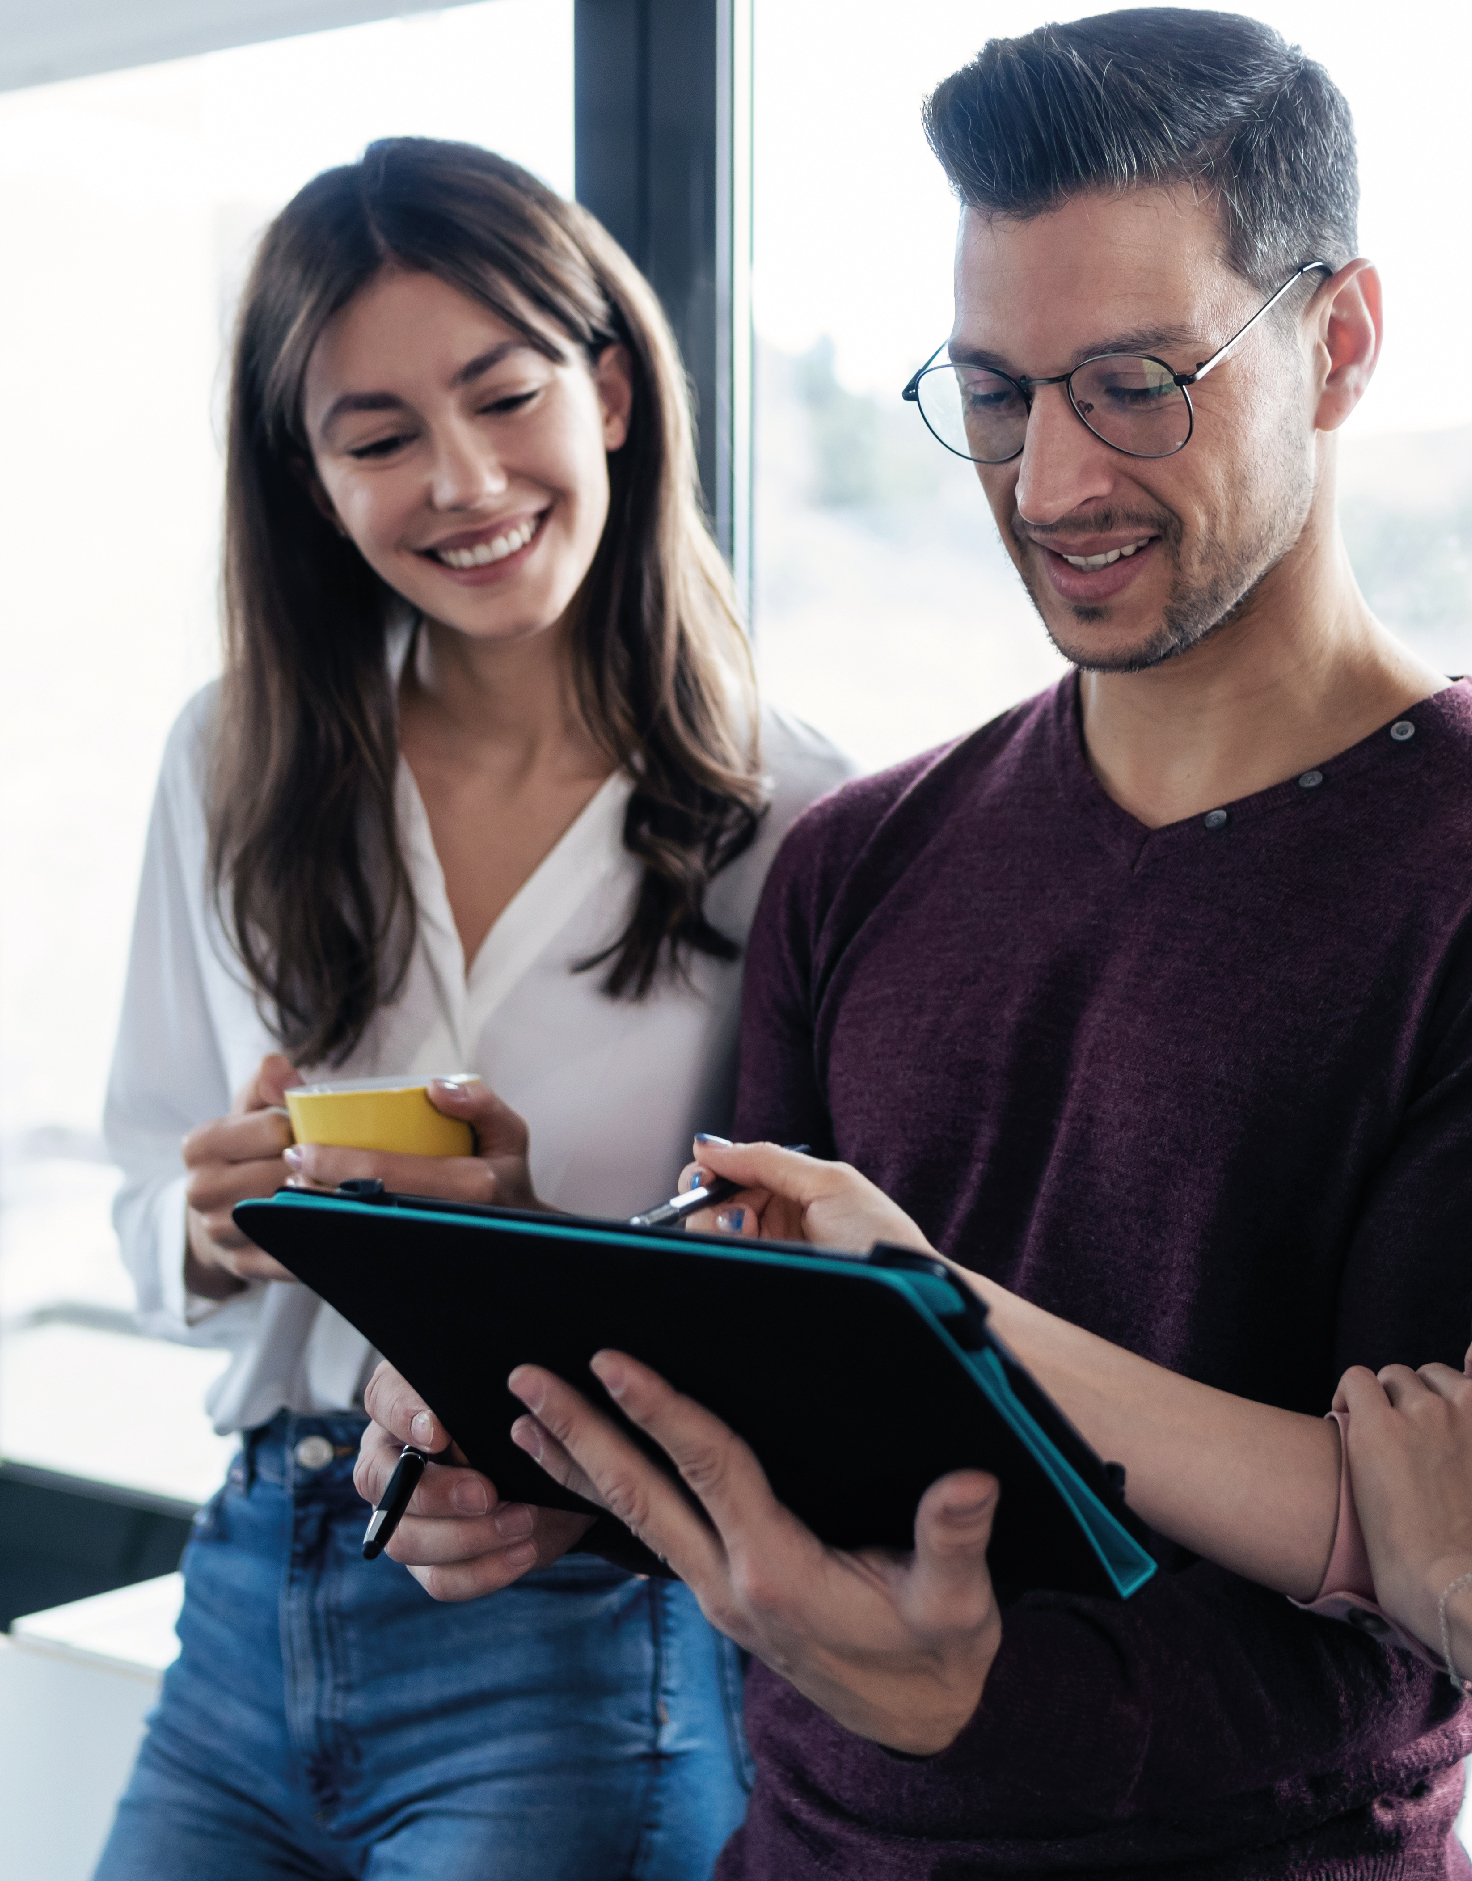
469	469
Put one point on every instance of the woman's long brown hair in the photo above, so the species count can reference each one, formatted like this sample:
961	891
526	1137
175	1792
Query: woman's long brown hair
307	867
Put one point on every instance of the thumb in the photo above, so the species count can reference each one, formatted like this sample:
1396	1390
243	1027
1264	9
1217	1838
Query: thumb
274	1076
499	1131
950	1586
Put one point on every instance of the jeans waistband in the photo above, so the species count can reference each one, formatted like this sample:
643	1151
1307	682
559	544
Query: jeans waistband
303	1451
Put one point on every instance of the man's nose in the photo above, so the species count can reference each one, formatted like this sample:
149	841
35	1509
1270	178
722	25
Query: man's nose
467	469
1064	467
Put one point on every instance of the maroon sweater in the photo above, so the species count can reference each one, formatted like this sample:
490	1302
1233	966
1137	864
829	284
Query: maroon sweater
1206	1090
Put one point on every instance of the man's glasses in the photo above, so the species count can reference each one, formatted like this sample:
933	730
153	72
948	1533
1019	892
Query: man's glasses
1132	402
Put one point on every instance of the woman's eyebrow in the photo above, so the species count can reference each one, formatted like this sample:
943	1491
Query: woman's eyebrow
390	401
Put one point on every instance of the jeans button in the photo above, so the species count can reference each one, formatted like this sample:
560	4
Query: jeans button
314	1453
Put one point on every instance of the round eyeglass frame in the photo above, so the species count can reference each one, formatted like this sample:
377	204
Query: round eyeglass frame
1026	387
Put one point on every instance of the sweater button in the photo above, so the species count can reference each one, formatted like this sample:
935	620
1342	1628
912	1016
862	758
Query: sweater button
1310	780
1215	819
314	1453
1401	730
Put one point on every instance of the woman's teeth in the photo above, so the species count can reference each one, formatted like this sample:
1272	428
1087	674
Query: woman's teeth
496	550
1102	561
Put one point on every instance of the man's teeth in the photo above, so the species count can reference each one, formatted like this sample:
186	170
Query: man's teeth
496	550
1101	561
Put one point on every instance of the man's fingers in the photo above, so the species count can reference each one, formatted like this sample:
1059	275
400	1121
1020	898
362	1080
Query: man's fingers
392	1402
445	1491
949	1588
623	1479
543	1448
717	1467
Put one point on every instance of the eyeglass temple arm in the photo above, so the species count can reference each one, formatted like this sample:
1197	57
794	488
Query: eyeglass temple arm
1207	365
912	390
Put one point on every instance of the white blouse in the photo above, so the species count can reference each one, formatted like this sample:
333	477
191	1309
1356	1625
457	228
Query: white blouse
613	1090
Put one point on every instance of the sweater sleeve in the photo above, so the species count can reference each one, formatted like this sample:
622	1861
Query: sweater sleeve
168	1073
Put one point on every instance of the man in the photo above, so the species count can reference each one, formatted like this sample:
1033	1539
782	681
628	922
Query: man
1152	1000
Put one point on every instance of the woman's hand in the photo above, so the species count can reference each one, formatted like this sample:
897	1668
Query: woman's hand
1410	1460
230	1160
790	1197
497	1172
458	1539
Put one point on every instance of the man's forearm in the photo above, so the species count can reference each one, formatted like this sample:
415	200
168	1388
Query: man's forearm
1248	1486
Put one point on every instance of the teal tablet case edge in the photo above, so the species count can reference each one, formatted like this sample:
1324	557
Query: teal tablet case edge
1128	1565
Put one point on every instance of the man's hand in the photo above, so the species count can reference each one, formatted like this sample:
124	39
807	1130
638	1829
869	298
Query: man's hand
895	1648
458	1539
1410	1460
229	1160
790	1197
497	1172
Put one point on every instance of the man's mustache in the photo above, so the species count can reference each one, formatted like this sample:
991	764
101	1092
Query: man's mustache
1101	522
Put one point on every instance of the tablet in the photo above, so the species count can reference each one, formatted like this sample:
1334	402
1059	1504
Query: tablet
856	1379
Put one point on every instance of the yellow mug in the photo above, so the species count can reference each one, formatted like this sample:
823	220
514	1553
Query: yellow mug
390	1114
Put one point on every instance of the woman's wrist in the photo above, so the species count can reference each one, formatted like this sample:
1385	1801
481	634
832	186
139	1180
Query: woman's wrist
1451	1590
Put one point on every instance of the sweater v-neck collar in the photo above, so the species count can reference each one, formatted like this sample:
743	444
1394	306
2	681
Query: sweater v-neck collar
1139	846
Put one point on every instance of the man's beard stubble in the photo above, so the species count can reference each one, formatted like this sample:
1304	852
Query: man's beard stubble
1197	607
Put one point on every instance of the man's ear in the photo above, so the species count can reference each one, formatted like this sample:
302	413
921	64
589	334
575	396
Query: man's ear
613	375
305	472
1351	324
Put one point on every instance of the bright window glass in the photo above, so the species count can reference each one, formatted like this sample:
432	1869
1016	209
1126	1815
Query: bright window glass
886	610
128	207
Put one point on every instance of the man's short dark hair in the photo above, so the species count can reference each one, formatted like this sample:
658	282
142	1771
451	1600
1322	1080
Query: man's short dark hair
1156	96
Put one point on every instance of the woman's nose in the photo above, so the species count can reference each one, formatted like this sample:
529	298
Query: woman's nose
1064	467
467	470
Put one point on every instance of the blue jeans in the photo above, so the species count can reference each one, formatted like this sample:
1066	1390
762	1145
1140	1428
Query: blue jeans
325	1718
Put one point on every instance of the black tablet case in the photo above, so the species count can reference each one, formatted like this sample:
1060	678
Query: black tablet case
856	1380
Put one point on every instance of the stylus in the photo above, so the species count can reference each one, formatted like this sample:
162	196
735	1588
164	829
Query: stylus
705	1195
394	1500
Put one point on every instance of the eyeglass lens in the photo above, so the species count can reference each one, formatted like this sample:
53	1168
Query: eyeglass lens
1133	404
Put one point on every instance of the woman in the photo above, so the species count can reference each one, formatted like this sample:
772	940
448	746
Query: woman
483	789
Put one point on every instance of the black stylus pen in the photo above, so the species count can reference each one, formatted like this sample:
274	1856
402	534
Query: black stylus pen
703	1195
394	1500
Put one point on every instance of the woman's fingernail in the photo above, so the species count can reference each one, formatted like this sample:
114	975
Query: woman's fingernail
293	1156
469	1496
721	1142
526	1435
731	1220
458	1090
514	1521
523	1555
422	1428
697	1180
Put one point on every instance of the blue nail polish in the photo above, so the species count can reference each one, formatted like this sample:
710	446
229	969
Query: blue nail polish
704	1136
737	1219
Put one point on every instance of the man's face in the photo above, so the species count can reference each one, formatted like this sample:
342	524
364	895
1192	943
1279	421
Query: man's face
1138	272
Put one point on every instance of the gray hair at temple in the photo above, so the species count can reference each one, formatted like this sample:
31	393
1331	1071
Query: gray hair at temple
1159	96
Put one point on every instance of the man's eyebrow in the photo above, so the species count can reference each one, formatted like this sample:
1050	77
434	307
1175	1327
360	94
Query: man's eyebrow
1139	340
390	401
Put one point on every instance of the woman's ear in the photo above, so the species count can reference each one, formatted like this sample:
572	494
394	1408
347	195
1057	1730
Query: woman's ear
305	472
613	374
1351	324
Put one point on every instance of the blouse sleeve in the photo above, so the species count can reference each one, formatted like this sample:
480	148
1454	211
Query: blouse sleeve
168	1073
